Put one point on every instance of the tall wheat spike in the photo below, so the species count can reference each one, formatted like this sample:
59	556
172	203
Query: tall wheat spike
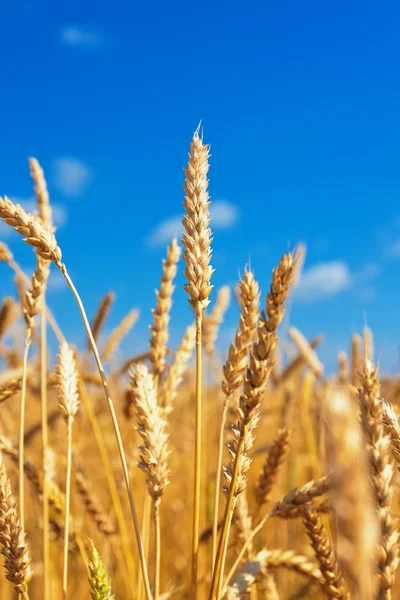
351	498
68	403
234	370
255	382
197	256
154	453
381	461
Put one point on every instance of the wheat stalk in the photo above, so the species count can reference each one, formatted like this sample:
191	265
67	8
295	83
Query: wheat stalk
197	256
68	403
350	492
257	375
234	370
371	406
154	453
44	240
46	216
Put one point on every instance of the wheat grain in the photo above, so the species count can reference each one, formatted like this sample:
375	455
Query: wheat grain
159	328
12	539
269	472
334	585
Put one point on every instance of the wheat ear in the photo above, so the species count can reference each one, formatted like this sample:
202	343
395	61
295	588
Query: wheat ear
334	585
8	315
276	455
350	493
270	559
46	216
255	382
92	504
12	538
343	368
197	244
159	327
116	336
10	387
371	406
212	321
392	429
356	360
100	584
292	502
68	403
178	367
234	369
101	315
154	453
44	240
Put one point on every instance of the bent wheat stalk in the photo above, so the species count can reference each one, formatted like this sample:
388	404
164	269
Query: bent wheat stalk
37	235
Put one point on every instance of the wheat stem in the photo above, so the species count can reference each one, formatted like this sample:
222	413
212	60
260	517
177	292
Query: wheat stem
45	441
117	432
67	505
108	470
28	337
157	549
146	520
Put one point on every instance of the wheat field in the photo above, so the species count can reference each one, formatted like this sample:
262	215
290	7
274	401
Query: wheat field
171	473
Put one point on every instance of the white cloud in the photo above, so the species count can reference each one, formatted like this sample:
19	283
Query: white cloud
323	280
165	231
56	281
369	271
224	215
393	251
71	176
81	37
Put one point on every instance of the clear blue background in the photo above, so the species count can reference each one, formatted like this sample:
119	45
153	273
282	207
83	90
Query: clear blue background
300	102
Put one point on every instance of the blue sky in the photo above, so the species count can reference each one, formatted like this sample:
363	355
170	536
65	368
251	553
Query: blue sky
300	103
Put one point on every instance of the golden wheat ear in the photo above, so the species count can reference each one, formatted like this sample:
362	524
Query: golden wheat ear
197	243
